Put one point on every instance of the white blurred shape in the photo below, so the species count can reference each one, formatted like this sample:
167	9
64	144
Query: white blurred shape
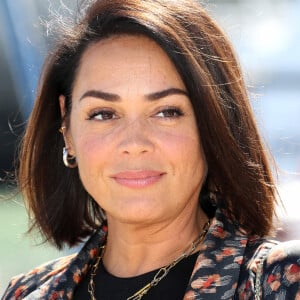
270	36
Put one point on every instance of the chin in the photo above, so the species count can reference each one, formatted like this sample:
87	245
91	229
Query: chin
136	216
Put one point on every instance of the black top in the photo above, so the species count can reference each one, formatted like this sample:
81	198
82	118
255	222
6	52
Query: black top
109	287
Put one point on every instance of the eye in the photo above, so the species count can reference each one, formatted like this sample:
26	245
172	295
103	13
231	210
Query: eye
102	115
171	112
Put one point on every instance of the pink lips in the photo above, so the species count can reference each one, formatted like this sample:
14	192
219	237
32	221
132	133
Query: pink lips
137	179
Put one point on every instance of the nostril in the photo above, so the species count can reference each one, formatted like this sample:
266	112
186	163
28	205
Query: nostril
136	148
136	145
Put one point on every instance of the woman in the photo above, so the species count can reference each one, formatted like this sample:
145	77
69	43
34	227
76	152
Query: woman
161	164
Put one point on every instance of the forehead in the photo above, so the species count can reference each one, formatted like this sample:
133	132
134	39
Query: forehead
127	58
123	41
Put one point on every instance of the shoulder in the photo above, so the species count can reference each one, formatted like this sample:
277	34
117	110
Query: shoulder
271	267
58	278
23	284
281	272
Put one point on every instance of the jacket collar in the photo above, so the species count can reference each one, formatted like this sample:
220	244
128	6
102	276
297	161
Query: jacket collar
217	268
215	273
66	274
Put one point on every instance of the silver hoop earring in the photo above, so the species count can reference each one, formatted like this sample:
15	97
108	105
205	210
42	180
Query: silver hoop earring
69	161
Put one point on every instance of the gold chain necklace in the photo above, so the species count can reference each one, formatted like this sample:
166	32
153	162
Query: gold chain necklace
161	273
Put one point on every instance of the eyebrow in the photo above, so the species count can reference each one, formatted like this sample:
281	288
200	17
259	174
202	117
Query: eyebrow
100	95
152	96
165	93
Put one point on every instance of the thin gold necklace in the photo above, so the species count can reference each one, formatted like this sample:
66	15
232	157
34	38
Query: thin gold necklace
161	273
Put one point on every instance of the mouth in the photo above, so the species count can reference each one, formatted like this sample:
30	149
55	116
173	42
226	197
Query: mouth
138	179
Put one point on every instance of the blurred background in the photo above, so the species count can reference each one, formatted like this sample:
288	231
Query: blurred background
266	36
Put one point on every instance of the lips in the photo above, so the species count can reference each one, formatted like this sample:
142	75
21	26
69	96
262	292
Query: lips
138	179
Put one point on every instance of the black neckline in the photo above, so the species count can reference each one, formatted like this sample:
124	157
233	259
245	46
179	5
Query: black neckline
103	270
110	287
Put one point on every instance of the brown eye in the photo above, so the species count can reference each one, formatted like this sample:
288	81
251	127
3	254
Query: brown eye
169	113
102	115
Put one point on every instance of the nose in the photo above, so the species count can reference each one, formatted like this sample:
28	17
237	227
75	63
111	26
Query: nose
136	138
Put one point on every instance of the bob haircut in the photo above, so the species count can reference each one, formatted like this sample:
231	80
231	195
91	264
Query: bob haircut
238	170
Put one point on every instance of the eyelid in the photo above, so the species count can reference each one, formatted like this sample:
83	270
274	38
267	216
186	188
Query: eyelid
163	112
174	109
94	113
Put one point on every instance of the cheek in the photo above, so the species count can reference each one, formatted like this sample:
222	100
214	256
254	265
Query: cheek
91	150
93	158
185	154
189	167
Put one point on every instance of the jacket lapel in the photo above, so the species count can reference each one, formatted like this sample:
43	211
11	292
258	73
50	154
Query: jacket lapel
68	273
216	272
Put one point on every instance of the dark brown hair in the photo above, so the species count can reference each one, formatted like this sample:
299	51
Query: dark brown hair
238	170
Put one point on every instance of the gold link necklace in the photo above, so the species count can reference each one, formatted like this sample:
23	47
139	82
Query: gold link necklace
161	273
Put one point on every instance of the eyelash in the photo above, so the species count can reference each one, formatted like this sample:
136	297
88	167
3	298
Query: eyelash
104	113
169	113
176	112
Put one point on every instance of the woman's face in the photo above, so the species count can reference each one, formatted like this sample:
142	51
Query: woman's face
133	131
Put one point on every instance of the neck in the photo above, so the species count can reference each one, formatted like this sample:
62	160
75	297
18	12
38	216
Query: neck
133	249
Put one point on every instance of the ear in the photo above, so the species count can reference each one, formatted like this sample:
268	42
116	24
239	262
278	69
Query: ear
62	105
64	129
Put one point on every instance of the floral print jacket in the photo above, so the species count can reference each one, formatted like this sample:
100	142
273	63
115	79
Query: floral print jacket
226	268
